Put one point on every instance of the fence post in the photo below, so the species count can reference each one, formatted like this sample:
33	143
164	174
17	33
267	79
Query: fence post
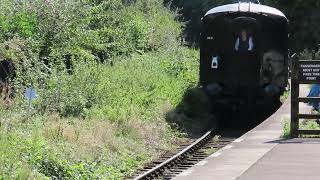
294	98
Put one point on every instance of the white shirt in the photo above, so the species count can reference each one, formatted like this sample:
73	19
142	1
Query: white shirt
251	45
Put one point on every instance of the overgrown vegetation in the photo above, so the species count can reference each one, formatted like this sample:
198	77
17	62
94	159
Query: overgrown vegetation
304	19
286	128
305	125
285	96
92	30
194	113
106	74
101	121
309	55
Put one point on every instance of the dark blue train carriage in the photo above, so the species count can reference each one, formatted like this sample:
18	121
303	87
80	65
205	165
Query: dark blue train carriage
244	61
244	53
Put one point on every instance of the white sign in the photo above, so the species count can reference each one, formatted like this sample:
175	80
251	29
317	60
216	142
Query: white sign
214	63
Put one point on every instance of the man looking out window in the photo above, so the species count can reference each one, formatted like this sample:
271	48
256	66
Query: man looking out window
244	43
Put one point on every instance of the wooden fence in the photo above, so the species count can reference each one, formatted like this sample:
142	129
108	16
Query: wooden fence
303	72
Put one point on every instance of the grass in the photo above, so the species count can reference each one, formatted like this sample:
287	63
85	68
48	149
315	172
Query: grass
107	115
90	125
212	150
285	96
51	146
286	128
306	125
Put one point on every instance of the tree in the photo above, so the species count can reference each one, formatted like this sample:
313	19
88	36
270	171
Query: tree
191	13
304	17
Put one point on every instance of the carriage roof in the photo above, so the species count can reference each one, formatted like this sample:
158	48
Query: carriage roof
245	7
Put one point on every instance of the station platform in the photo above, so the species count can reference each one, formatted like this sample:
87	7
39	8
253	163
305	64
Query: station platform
261	154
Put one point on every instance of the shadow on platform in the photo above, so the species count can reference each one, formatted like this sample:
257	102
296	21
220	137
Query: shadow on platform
296	141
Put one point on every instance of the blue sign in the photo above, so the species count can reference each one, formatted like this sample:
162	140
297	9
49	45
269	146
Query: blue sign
30	94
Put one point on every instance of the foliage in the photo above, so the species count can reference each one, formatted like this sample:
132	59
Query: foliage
309	55
95	30
305	125
303	17
50	147
106	73
193	114
285	96
114	116
310	125
286	128
191	12
131	87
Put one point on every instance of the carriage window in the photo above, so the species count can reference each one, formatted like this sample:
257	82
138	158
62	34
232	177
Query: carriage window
244	42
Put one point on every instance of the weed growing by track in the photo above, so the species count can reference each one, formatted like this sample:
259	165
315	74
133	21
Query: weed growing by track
114	128
106	74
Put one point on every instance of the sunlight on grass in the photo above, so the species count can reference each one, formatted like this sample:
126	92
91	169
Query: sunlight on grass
286	128
304	125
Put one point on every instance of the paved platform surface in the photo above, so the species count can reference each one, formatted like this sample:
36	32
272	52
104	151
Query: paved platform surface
296	159
261	154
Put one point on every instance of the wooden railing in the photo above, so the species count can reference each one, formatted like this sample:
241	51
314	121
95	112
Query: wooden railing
303	72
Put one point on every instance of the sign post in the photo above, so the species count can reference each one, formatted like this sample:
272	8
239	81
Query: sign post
303	72
30	94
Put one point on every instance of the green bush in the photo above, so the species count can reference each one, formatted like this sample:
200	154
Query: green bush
94	121
102	29
132	87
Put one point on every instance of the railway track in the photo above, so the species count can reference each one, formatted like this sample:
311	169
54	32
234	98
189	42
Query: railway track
170	165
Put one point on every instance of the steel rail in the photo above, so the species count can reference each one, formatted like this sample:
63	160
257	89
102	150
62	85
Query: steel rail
154	172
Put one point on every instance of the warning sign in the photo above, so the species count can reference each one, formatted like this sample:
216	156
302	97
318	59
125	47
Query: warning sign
309	71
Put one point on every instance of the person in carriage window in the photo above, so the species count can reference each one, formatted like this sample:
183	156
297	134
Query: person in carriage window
244	43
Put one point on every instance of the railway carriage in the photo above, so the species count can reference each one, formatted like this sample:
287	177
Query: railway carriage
244	53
